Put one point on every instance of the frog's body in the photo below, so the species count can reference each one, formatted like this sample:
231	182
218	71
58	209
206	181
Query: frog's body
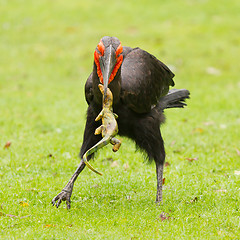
109	128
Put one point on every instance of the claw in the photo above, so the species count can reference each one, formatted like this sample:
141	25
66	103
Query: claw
53	202
68	204
58	203
64	195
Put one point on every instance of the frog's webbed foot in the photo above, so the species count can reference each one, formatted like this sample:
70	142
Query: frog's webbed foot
99	130
99	116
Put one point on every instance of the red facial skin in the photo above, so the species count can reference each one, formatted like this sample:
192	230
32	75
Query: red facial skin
119	58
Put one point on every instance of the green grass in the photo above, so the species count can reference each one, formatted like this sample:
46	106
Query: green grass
46	56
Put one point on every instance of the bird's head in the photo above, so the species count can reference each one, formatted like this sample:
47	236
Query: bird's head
108	59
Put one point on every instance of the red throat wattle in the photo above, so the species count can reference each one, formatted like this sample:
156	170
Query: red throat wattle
101	49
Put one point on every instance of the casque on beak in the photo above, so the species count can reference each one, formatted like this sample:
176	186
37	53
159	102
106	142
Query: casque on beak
107	64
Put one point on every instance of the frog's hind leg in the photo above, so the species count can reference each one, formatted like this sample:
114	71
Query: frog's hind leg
116	144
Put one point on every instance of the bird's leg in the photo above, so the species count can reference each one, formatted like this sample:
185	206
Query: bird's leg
159	170
89	140
66	192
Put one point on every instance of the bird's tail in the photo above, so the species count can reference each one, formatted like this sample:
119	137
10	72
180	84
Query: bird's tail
174	99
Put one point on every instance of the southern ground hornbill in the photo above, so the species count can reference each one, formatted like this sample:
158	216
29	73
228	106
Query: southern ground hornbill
140	86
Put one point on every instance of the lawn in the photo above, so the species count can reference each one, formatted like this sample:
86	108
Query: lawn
46	56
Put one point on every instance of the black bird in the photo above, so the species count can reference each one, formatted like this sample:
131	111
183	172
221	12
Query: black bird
140	86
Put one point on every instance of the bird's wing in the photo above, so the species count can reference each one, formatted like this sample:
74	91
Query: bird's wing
144	80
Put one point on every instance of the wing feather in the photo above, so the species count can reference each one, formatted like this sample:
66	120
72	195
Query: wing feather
144	80
89	89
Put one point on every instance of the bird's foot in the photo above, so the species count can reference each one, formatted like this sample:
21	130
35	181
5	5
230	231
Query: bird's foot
64	195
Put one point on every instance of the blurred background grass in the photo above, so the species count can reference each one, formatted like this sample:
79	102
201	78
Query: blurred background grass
46	56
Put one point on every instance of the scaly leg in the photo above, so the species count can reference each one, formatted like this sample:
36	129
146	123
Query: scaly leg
159	170
89	140
148	137
66	192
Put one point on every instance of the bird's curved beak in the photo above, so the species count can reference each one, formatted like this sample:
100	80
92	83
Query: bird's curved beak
107	64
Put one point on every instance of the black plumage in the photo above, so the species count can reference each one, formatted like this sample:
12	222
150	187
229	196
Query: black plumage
140	86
